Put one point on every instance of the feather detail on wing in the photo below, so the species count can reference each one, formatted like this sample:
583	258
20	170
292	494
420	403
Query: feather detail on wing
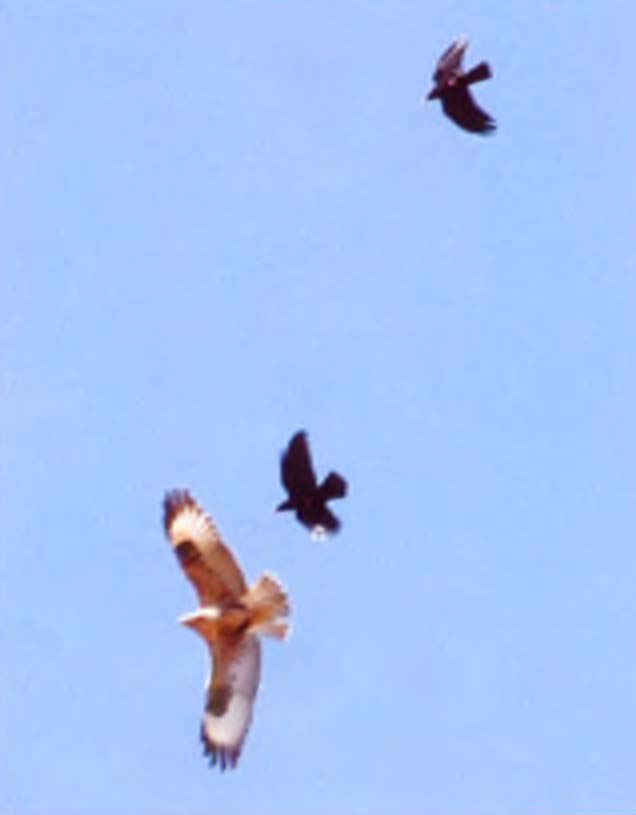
230	698
203	556
334	486
460	106
451	60
297	472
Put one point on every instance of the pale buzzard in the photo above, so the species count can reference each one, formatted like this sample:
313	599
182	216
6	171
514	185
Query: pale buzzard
230	618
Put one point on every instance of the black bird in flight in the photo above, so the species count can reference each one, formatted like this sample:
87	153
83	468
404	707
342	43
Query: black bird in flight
306	497
451	88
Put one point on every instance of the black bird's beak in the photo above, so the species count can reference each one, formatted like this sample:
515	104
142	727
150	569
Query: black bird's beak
284	506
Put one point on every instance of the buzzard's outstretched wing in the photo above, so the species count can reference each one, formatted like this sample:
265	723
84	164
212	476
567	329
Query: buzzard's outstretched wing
205	559
450	63
459	105
297	472
228	711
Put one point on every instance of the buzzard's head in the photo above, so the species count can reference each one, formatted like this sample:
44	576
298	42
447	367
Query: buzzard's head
203	621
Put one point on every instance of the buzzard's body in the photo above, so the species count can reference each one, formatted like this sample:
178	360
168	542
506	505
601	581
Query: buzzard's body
307	498
230	618
451	88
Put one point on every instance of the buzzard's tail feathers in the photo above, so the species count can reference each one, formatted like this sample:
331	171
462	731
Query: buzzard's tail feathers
278	630
268	602
478	73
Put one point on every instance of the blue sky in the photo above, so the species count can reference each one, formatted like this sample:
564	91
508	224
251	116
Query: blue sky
223	222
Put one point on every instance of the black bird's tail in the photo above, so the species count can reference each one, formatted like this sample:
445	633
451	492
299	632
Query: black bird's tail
334	486
477	74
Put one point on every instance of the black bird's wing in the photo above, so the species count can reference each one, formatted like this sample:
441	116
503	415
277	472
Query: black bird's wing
450	63
334	486
296	470
459	105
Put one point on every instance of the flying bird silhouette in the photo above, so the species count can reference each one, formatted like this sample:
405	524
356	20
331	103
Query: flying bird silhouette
306	497
230	618
451	88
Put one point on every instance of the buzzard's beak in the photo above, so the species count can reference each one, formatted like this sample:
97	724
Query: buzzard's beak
190	619
194	618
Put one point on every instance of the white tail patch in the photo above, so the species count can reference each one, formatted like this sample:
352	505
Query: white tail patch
318	533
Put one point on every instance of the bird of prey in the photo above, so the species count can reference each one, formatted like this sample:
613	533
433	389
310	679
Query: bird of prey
230	619
451	88
306	497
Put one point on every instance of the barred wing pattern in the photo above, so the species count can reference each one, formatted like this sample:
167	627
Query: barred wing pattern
206	560
230	699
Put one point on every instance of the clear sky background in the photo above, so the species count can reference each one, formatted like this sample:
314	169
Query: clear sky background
222	222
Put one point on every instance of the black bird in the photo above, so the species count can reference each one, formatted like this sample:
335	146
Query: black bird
306	498
451	88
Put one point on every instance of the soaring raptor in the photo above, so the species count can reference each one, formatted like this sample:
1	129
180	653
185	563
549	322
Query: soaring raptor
230	619
306	497
451	88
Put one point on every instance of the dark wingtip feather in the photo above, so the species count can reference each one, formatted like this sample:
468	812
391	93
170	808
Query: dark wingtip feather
173	503
299	438
224	757
299	435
